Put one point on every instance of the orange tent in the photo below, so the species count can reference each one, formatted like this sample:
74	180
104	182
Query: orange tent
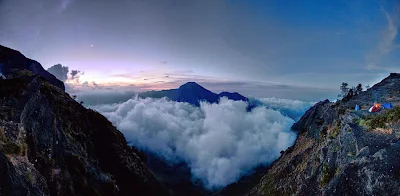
376	108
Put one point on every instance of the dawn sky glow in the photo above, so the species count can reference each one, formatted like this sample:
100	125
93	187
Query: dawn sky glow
289	49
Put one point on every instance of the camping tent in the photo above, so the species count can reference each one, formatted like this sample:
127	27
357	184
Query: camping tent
375	108
387	105
357	108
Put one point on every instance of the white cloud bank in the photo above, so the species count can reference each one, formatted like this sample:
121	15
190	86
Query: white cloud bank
219	142
292	108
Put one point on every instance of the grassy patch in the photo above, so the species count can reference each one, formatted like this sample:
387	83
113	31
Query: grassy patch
381	120
356	120
29	176
11	148
351	154
338	170
24	149
269	188
335	132
3	137
336	148
362	123
326	174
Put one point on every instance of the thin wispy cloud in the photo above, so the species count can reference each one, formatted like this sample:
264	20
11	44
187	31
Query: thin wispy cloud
64	5
386	44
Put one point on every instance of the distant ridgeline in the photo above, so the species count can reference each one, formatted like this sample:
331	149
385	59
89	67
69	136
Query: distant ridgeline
13	63
193	93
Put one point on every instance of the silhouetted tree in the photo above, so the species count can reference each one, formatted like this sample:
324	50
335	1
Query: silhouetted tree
359	89
344	88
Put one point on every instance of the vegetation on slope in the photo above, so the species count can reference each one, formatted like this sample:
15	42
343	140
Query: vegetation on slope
383	119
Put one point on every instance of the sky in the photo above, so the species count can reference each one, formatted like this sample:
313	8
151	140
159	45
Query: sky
289	49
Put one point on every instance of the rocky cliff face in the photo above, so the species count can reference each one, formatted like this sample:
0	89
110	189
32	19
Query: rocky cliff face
51	145
340	151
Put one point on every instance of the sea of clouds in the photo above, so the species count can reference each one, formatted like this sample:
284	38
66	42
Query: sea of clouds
219	142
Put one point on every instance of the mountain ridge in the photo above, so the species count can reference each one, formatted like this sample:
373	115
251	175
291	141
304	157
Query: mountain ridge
340	151
52	145
12	61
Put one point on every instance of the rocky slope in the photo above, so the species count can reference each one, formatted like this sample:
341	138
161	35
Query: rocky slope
12	61
340	151
51	145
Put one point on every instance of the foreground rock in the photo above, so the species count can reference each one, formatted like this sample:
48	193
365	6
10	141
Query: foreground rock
51	145
340	151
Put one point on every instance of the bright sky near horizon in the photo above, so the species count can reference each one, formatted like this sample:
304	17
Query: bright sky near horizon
291	49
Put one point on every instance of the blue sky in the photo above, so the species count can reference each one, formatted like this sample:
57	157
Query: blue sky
290	49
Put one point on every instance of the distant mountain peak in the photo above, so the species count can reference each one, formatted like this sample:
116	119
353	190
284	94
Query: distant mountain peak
193	93
233	96
191	85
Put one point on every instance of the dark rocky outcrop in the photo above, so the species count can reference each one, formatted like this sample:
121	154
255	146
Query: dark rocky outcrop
52	145
12	61
340	151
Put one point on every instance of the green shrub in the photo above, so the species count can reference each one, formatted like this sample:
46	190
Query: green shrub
24	149
381	120
29	176
269	188
326	174
342	110
336	148
362	122
351	154
3	137
338	170
335	131
12	148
